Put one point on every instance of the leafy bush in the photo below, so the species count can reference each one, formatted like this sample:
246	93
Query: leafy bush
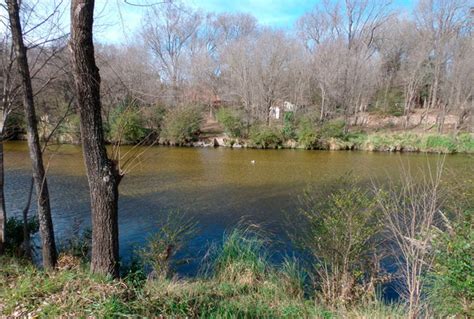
231	121
465	143
289	125
439	144
347	217
14	232
182	124
451	291
14	125
126	124
154	116
265	136
333	129
307	134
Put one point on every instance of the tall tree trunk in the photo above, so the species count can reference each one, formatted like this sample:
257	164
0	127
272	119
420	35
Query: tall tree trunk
3	212
26	232
44	209
102	173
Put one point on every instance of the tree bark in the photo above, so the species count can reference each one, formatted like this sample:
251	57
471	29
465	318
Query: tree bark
3	212
102	173
44	209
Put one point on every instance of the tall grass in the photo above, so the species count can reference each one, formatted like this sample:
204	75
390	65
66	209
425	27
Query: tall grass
244	284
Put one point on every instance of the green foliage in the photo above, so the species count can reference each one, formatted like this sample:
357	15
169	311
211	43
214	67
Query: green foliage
465	143
451	289
258	291
182	124
25	290
307	134
231	121
289	130
241	257
126	124
173	232
333	129
155	116
346	217
293	276
14	232
265	136
15	124
440	144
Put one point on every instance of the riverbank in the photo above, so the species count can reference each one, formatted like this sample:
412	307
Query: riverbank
238	291
371	142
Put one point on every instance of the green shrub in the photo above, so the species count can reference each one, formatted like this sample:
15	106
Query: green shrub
182	124
265	136
14	232
343	215
451	289
289	131
439	144
465	143
154	116
126	124
15	124
231	121
333	129
307	134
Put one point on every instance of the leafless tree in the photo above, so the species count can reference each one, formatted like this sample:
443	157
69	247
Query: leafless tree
44	209
168	33
411	211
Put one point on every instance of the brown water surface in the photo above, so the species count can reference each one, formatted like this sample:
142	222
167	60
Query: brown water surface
218	187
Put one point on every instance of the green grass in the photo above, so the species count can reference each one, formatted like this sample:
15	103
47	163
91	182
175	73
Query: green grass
407	142
240	283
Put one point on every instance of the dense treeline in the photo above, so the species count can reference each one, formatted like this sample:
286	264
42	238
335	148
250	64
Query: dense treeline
341	60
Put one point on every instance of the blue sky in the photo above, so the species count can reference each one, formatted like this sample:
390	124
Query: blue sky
275	13
278	13
116	21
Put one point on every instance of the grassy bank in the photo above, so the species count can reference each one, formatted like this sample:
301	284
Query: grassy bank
372	142
28	292
242	284
403	142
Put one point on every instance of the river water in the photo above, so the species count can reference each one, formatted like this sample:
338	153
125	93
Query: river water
217	187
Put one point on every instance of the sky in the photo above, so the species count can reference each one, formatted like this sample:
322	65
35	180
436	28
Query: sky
275	13
116	20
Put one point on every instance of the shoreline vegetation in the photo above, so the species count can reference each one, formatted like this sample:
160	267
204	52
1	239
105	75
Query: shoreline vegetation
189	127
238	278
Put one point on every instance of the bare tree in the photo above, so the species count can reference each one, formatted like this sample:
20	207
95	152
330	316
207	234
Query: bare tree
411	211
44	209
168	33
350	28
102	173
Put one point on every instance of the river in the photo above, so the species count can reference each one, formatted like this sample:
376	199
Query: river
217	187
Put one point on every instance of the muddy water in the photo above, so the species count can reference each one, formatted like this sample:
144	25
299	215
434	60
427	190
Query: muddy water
218	187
